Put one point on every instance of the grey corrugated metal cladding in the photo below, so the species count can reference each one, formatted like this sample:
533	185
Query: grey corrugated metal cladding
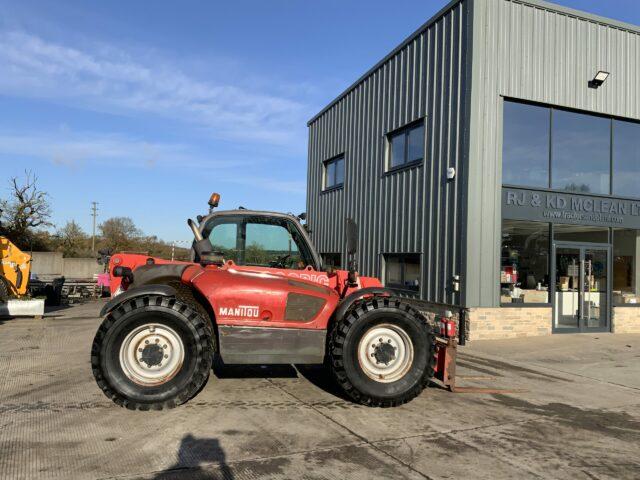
528	50
414	210
543	53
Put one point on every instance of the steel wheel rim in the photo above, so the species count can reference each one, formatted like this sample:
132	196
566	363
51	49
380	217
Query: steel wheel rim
374	351
151	354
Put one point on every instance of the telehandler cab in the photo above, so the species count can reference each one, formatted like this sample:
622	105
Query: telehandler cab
256	292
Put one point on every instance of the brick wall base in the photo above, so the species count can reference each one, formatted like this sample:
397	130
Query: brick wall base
626	320
497	323
514	322
434	312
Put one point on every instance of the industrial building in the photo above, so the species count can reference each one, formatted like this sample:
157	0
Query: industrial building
492	162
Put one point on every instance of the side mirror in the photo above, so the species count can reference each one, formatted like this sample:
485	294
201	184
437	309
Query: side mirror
352	236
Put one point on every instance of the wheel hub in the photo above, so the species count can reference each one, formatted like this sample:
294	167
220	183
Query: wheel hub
385	353
151	354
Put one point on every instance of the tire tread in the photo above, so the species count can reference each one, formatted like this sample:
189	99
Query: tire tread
205	349
337	337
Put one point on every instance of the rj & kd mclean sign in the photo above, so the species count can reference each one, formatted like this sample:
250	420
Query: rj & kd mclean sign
522	204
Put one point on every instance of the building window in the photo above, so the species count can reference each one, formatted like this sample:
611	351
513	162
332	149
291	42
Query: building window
525	146
334	172
406	146
524	271
331	260
626	246
626	158
402	271
581	153
545	147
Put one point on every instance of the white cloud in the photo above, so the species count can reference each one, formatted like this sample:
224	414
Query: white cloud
94	149
293	187
104	78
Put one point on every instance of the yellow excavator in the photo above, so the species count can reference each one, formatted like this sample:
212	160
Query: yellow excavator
14	274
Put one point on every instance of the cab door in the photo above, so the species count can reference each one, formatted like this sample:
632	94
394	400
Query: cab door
282	321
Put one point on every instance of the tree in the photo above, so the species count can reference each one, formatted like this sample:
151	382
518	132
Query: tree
256	254
73	241
119	233
27	208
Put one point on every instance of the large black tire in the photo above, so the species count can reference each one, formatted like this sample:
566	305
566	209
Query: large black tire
197	344
184	293
4	290
371	315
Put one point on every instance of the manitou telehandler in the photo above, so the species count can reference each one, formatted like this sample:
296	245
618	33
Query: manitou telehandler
256	292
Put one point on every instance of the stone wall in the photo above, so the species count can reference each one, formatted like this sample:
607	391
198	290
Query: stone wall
48	265
626	320
81	267
512	322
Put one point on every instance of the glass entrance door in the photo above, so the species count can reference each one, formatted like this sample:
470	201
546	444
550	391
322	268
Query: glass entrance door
581	288
566	306
595	301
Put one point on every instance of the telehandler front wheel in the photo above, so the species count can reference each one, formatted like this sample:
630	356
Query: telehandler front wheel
382	353
153	352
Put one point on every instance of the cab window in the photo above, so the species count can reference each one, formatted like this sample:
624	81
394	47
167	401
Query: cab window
271	246
223	238
265	242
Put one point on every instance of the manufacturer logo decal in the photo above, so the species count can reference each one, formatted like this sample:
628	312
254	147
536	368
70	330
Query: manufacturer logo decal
246	311
322	279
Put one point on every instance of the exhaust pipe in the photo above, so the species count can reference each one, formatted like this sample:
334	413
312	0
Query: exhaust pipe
194	228
202	247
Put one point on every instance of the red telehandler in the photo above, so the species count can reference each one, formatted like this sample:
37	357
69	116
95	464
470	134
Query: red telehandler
256	292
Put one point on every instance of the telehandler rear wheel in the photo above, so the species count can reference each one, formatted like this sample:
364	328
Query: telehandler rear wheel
382	352
153	352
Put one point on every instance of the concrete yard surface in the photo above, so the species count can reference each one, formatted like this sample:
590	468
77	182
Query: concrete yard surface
570	409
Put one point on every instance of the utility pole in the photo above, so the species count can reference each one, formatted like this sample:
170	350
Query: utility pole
94	214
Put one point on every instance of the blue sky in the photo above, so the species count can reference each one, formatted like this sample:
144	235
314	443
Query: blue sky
148	107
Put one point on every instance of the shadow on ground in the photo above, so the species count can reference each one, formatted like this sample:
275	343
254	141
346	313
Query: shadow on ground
222	370
317	375
54	310
198	458
618	425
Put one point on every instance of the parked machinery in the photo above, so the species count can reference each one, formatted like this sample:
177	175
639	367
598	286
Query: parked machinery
14	274
257	304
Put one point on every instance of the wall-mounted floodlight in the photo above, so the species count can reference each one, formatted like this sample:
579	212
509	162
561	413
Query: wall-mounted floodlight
451	173
599	79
